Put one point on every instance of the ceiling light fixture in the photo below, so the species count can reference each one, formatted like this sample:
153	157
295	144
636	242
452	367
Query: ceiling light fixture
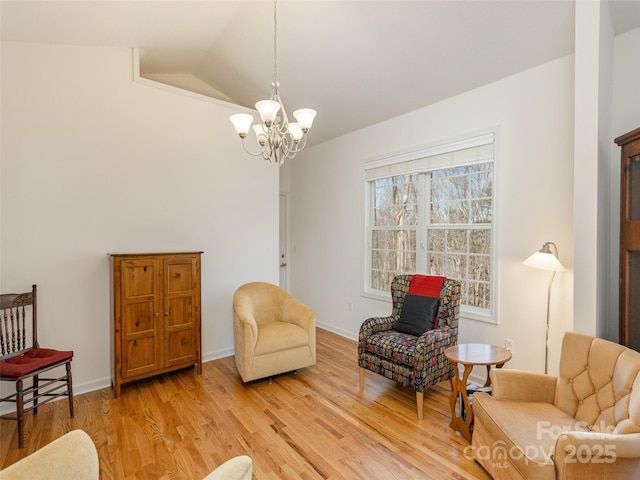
278	139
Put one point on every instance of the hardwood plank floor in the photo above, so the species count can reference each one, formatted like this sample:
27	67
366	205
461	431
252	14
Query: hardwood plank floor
311	425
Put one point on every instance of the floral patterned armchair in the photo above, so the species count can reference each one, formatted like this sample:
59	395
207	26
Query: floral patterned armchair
414	361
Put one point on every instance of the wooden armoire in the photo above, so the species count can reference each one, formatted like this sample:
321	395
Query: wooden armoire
156	314
630	239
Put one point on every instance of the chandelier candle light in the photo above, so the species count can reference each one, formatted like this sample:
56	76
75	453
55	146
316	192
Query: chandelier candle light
278	139
545	259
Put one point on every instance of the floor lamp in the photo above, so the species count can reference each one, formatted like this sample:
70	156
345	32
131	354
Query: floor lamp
545	259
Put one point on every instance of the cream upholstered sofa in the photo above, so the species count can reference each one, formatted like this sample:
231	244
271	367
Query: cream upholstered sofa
583	424
236	468
73	456
273	331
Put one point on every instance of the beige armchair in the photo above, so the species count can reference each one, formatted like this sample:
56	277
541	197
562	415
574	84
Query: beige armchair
273	331
583	424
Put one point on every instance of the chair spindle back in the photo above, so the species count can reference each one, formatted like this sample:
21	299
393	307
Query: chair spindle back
17	317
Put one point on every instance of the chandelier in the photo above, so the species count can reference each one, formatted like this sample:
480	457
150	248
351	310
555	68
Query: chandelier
277	138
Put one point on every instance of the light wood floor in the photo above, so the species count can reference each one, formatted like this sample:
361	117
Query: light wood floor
311	425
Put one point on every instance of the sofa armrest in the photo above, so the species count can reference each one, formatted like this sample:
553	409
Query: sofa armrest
580	454
71	456
237	468
523	386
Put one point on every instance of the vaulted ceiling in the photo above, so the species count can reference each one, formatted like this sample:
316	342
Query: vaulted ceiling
356	62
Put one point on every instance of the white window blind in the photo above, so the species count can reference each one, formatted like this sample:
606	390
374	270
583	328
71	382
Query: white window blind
454	154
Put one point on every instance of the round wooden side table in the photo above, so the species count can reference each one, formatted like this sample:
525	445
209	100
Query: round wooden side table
469	355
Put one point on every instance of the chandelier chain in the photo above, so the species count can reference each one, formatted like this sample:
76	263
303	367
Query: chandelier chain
275	44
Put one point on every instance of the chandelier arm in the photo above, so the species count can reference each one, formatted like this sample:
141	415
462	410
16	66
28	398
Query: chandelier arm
279	128
285	147
294	147
267	150
285	155
289	156
275	157
266	155
288	149
251	153
301	143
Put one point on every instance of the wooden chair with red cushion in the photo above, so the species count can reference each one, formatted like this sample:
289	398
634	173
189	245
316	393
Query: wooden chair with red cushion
23	359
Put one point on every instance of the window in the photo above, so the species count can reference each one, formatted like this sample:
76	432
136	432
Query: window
431	211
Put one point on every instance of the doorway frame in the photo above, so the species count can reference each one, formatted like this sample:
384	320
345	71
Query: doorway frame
284	241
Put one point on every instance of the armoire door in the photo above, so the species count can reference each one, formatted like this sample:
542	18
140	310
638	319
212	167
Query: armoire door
181	309
140	296
630	239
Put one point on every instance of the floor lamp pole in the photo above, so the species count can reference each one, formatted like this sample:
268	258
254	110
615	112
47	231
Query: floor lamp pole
546	340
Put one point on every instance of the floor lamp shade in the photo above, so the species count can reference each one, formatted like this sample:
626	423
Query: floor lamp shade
544	259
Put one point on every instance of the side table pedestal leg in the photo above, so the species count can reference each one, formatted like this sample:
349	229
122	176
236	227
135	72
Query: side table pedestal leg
462	418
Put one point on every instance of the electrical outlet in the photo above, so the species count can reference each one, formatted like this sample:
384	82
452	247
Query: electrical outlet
508	344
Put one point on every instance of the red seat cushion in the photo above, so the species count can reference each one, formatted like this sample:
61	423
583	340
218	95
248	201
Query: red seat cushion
32	360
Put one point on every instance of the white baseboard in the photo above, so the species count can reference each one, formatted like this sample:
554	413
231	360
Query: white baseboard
86	387
338	331
209	357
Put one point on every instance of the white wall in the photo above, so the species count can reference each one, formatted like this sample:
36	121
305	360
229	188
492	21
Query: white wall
93	162
534	202
187	82
626	78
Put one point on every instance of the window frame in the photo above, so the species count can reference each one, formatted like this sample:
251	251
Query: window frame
417	160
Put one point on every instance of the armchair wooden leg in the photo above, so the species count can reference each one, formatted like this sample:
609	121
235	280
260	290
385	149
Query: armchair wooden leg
35	394
419	403
361	379
70	387
20	413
